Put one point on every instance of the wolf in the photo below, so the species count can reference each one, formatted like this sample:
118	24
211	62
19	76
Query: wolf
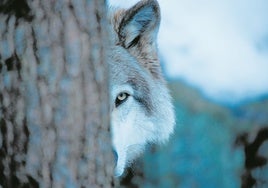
141	106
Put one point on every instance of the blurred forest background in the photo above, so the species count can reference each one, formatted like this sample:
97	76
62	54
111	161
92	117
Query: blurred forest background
214	145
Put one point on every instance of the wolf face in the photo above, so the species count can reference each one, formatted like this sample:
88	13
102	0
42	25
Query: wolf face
142	111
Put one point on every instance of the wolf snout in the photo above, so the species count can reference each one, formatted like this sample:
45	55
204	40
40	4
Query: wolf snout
115	157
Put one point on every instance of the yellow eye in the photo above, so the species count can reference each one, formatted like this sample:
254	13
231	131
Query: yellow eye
122	97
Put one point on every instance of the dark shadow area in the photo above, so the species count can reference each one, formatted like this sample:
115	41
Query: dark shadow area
18	8
252	159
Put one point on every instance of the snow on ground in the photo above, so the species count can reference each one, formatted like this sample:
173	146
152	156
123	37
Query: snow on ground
220	47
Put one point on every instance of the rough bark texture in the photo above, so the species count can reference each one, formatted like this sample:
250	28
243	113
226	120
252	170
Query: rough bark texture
54	114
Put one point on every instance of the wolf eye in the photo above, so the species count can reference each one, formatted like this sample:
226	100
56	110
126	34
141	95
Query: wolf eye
122	97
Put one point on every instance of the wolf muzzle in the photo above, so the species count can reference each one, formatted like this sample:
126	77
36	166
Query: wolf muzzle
115	157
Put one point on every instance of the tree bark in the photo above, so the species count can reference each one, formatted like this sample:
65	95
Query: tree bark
54	113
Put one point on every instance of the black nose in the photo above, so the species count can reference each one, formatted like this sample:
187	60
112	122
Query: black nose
115	156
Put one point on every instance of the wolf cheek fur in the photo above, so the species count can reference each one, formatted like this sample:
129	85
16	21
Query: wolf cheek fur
142	111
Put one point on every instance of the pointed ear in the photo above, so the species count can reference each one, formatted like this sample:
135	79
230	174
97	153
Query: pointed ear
142	20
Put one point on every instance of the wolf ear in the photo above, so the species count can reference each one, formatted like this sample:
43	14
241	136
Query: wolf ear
142	20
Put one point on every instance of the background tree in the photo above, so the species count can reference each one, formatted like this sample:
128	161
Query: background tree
54	114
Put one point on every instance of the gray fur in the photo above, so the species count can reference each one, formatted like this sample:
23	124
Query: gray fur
147	116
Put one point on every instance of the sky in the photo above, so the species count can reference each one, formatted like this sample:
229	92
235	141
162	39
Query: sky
218	47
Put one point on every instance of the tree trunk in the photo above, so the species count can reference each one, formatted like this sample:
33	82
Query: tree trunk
54	113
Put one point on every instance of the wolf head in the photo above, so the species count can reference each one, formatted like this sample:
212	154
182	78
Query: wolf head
142	111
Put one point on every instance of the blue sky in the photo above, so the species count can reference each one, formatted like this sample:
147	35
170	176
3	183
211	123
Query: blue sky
219	47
